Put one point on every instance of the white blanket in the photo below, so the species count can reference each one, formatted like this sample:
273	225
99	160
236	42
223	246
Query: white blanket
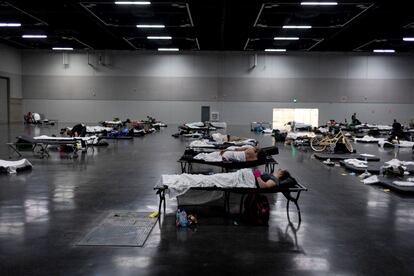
113	122
357	163
395	162
404	183
219	124
178	184
401	144
97	129
379	127
368	138
204	143
209	157
12	166
195	125
89	139
371	180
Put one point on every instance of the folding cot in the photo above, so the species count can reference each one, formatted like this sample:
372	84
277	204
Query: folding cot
43	142
290	192
187	160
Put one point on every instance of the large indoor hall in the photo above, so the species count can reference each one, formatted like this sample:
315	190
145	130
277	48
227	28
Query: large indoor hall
206	137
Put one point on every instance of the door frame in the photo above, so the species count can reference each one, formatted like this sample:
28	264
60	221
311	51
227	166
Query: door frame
209	112
8	97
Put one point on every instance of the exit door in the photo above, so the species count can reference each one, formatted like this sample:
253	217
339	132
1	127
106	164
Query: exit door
4	100
205	113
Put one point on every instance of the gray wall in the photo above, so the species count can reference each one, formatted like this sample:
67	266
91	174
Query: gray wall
11	67
172	87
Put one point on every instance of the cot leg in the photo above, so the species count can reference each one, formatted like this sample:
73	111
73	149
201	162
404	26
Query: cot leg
161	195
241	205
14	148
295	201
267	168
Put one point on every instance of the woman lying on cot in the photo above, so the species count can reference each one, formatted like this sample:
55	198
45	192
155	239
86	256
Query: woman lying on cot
242	154
277	178
179	184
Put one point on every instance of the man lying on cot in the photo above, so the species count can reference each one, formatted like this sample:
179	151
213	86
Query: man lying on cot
242	154
234	154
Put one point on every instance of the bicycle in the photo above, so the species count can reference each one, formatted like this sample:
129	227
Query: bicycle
319	143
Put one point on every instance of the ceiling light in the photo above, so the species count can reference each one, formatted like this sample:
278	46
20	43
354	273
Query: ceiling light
34	36
319	3
296	27
168	49
10	24
132	3
285	38
150	26
384	51
408	38
275	50
159	37
62	48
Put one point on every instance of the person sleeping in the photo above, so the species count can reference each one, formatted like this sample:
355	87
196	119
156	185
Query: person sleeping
278	178
234	154
179	184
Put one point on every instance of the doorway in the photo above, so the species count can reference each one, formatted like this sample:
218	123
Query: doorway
205	113
281	116
4	99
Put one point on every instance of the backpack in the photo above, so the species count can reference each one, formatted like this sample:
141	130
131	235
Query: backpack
256	209
394	171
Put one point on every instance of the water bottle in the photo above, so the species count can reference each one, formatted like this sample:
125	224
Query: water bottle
381	173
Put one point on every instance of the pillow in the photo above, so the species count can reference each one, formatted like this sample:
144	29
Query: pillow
288	182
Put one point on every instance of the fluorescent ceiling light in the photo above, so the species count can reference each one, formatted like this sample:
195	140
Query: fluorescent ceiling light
34	36
159	37
319	3
132	3
296	27
285	38
408	38
275	50
168	49
384	51
62	48
10	24
150	26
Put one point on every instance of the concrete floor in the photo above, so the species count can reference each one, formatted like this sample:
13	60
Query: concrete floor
347	228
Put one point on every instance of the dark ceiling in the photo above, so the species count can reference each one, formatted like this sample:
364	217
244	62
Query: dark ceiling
210	25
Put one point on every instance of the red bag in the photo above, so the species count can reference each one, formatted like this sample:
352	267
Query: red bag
256	209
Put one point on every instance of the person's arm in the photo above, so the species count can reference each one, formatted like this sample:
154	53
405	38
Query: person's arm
268	184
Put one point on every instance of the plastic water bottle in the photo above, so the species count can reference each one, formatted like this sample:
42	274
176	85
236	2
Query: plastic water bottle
381	171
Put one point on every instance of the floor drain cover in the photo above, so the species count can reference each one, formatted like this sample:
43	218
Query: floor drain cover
120	229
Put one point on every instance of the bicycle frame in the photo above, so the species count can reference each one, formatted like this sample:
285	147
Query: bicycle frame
332	140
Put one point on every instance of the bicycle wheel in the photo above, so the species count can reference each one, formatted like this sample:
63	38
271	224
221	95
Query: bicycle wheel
348	145
316	145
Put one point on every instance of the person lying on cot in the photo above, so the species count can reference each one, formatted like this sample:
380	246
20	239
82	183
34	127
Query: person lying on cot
243	154
267	180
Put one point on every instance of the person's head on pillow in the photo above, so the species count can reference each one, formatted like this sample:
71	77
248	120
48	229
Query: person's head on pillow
282	174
